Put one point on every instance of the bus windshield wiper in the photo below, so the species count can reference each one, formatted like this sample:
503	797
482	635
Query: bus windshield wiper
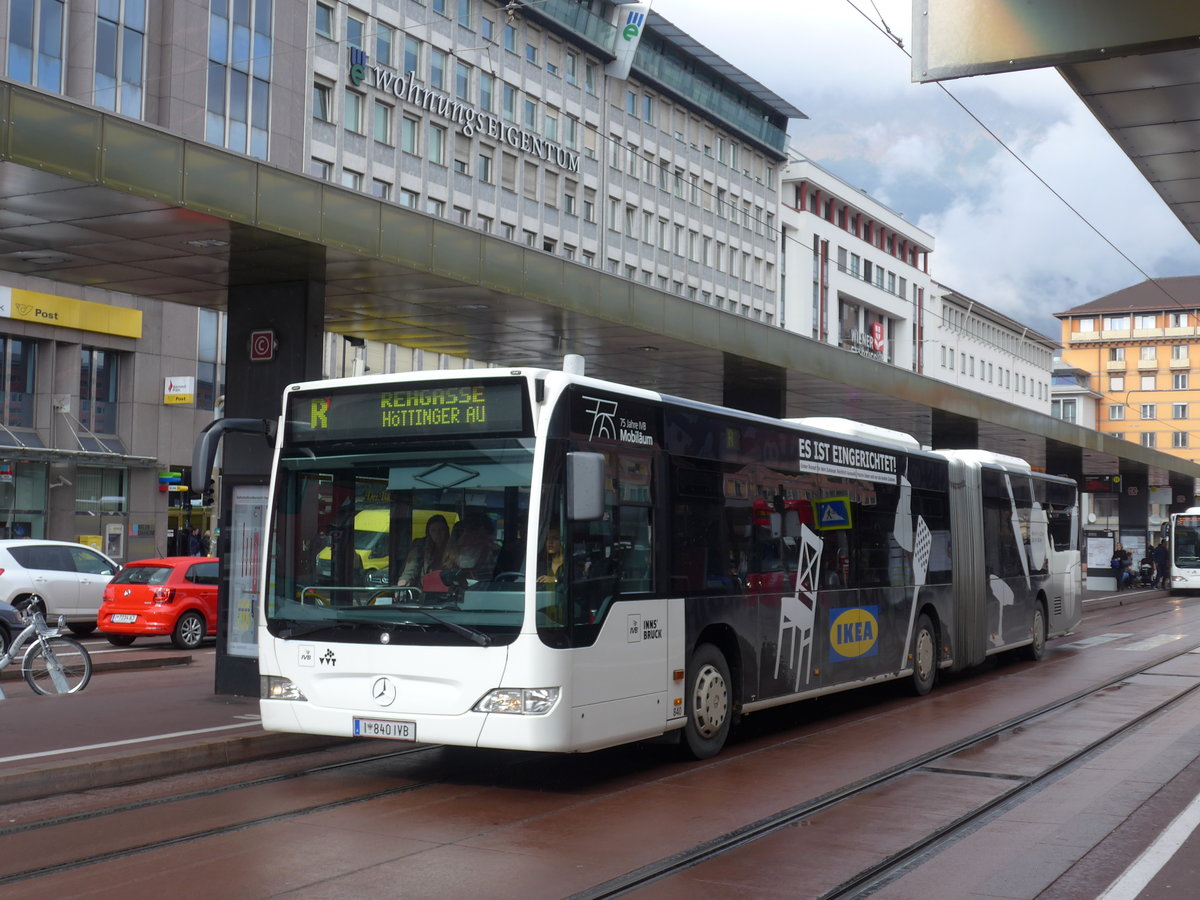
483	640
296	630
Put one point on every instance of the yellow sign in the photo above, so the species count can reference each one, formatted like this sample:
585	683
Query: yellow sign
46	309
89	540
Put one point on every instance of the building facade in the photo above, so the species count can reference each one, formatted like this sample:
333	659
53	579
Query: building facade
1140	346
857	275
979	348
101	397
519	122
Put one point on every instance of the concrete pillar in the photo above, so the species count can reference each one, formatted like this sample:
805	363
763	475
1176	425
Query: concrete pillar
953	432
1133	509
754	387
291	315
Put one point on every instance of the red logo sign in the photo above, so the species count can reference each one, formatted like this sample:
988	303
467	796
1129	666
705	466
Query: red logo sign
262	345
877	341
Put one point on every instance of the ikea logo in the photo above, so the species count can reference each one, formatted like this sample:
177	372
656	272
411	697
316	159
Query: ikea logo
853	632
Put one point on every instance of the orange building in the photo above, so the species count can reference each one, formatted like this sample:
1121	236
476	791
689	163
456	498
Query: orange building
1142	348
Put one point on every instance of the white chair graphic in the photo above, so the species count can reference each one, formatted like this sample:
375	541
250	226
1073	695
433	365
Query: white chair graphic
795	616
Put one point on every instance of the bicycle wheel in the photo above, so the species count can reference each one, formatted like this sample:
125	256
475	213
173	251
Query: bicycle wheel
64	669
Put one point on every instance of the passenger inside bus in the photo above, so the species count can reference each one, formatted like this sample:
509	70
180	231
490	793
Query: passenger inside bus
550	560
428	554
473	547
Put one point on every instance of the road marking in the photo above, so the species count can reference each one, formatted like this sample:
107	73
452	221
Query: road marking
1094	641
141	740
1143	869
1151	643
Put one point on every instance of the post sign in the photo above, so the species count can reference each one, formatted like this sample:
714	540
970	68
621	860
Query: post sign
179	390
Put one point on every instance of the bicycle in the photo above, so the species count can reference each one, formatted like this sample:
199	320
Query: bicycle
54	663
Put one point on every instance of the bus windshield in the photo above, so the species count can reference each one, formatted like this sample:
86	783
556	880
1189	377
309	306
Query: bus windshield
424	545
1186	546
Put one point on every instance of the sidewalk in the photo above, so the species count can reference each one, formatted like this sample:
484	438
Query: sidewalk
131	725
149	716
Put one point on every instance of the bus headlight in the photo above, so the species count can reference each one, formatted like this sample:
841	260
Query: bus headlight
519	701
275	687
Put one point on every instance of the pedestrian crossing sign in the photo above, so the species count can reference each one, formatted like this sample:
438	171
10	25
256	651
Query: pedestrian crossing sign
832	514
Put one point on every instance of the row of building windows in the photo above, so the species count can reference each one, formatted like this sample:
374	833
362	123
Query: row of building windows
690	186
537	49
1141	321
872	273
674	237
859	225
1116	411
964	321
1179	439
1149	382
36	50
991	374
1148	353
99	379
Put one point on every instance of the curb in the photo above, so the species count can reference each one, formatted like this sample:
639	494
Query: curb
13	671
39	779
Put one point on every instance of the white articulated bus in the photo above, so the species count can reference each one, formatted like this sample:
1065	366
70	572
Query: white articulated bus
709	562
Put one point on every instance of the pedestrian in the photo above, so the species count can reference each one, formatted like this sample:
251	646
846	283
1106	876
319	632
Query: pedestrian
1121	564
193	548
1162	565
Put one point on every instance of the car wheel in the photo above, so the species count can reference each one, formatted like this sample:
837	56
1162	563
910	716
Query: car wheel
81	629
120	640
189	631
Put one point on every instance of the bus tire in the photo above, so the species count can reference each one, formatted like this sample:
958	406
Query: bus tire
1036	648
924	656
708	706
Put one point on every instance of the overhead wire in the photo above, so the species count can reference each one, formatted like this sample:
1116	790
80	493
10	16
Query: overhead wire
1190	310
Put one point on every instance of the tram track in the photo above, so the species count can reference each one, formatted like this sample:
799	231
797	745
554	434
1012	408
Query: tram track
71	819
895	864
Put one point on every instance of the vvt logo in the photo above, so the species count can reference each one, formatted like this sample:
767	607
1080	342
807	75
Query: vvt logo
633	25
358	66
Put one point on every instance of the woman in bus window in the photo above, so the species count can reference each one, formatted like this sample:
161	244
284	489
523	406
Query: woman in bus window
550	560
428	554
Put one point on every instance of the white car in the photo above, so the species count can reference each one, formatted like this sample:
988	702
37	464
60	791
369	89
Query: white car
70	577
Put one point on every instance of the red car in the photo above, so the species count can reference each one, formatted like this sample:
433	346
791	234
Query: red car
175	595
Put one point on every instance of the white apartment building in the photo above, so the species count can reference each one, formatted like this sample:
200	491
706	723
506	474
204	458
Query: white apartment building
978	348
1072	398
857	275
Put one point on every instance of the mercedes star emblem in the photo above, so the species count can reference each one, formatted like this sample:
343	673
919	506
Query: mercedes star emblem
383	692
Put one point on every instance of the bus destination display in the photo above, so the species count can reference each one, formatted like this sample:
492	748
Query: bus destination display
476	408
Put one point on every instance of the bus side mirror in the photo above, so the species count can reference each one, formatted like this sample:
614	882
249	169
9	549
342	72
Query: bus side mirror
585	486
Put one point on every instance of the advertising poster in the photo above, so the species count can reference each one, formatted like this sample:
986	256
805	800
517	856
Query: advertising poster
247	538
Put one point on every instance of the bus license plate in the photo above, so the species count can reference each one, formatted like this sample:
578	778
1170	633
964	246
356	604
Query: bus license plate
385	728
124	618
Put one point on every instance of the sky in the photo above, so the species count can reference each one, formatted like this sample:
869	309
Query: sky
1002	237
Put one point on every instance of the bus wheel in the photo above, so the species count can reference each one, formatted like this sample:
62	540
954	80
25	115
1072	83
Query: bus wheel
924	656
709	713
1037	649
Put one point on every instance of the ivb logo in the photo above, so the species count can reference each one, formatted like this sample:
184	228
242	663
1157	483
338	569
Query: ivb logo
358	66
633	25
